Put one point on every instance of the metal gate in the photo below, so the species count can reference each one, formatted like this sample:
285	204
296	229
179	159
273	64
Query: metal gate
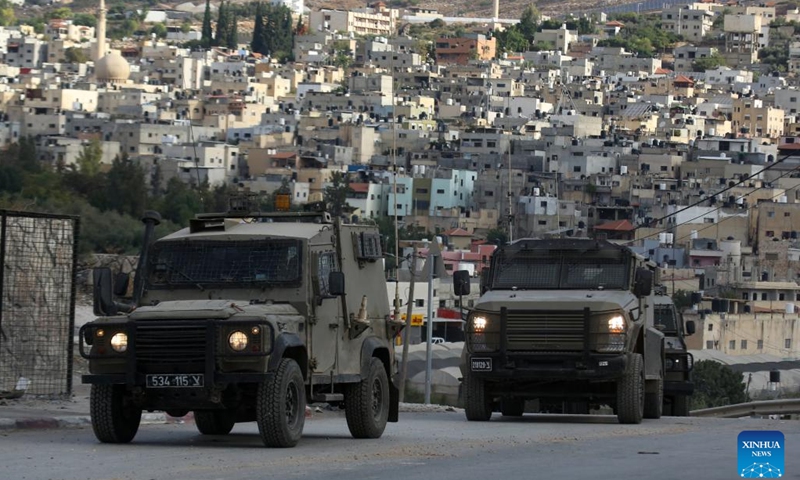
38	259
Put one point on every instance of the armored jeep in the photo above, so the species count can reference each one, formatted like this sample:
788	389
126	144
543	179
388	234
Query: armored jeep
678	386
568	322
244	317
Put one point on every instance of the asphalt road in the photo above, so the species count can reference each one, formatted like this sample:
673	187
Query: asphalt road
439	446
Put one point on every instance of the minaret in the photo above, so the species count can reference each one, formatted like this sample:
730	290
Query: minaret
495	11
101	32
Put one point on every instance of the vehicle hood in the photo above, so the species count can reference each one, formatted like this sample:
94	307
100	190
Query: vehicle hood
596	300
213	309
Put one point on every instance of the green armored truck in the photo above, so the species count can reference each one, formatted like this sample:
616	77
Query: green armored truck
568	322
245	316
678	386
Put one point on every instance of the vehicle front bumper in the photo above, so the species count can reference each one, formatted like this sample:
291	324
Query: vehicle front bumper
678	388
550	366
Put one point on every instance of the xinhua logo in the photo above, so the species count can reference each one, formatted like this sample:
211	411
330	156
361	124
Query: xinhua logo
761	454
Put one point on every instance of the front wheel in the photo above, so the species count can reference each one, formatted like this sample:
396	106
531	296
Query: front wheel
281	406
477	404
115	418
630	392
214	422
366	404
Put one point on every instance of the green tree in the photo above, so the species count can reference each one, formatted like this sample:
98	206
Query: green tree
7	17
126	187
232	40
335	194
511	40
528	22
63	13
259	43
716	385
75	55
223	25
90	158
159	29
207	33
85	19
342	55
497	236
711	62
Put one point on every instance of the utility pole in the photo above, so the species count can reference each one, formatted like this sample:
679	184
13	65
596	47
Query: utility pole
407	332
431	261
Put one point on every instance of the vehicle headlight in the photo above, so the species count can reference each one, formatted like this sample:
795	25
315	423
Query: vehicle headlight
237	341
479	323
119	342
616	324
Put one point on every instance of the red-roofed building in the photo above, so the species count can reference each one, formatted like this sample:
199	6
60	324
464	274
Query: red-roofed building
616	230
458	238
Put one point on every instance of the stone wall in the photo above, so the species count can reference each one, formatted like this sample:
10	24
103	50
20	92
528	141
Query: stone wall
37	303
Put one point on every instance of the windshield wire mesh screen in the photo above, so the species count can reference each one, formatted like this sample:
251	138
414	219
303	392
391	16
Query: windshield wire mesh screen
575	270
223	263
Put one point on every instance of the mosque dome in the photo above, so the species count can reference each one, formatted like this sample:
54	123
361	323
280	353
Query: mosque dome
112	68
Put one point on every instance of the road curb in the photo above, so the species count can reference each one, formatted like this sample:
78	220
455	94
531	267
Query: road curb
68	421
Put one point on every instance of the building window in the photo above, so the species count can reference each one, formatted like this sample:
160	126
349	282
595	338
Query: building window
770	233
442	303
732	345
781	296
787	214
763	296
760	345
743	345
709	344
419	303
787	343
771	214
710	327
744	296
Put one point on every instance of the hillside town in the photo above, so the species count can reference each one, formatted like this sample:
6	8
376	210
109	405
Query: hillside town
673	132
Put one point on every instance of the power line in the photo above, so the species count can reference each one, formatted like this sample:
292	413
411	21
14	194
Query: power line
776	162
747	209
663	230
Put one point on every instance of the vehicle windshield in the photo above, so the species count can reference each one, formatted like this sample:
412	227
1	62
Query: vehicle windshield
665	318
568	269
225	263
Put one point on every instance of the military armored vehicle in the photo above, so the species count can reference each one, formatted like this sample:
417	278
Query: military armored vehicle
245	316
678	386
568	322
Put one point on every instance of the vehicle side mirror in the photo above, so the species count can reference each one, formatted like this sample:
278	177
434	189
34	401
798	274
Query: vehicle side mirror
104	304
643	286
461	282
484	280
690	327
336	284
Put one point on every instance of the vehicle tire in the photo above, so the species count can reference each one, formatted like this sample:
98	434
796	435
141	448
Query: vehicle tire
281	406
654	402
680	406
115	419
512	406
630	392
214	422
366	404
477	404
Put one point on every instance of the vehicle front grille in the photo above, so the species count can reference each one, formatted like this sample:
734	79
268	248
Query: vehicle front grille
166	348
545	331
